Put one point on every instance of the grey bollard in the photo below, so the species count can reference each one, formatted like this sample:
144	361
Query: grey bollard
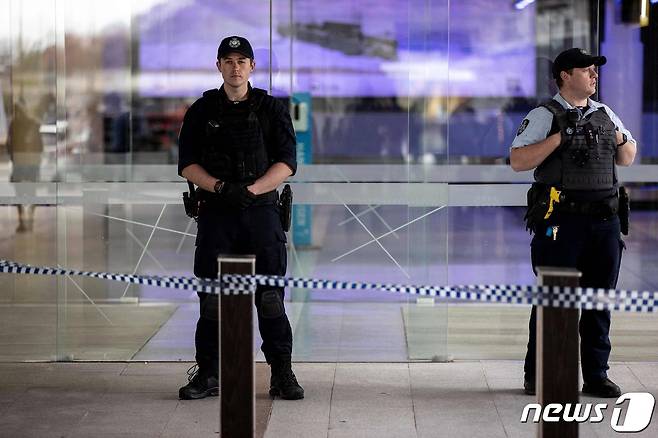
236	367
557	353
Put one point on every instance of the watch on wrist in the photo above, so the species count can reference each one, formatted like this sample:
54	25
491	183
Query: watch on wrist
624	139
219	185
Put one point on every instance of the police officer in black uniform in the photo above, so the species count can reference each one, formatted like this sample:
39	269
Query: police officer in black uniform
574	144
238	145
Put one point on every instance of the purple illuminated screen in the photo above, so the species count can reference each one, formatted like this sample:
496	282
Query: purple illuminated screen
346	48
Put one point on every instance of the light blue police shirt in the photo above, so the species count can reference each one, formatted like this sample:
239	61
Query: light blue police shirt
537	124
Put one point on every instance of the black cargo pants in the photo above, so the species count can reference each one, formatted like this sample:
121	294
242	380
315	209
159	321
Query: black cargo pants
255	230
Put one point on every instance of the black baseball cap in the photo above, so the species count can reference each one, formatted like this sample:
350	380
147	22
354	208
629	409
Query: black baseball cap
235	44
573	58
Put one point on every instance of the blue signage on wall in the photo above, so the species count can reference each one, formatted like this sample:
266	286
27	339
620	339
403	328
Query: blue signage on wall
300	112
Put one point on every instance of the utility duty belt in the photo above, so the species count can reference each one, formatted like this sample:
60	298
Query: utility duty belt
602	209
195	198
262	199
545	203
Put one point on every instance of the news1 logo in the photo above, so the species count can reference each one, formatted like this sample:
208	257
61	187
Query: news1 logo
638	412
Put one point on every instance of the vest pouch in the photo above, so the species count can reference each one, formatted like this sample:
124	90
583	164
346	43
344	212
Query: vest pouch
212	128
247	148
585	159
214	158
255	164
234	148
237	158
580	156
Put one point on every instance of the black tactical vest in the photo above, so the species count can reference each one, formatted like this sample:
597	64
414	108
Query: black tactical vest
234	147
586	158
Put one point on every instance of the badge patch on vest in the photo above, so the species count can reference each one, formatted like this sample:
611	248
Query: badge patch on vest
524	124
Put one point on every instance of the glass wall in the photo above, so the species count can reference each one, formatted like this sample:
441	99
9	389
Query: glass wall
28	114
404	112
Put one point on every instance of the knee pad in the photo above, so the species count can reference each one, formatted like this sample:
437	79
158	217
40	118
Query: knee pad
271	305
210	307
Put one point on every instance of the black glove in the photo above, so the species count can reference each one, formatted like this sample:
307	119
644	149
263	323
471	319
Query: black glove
566	130
237	196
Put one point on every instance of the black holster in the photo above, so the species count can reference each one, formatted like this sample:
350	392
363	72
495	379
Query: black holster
538	200
191	202
624	210
285	207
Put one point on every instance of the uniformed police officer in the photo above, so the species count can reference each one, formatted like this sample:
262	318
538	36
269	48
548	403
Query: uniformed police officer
238	145
574	144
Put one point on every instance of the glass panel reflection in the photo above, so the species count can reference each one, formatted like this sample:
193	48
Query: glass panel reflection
404	110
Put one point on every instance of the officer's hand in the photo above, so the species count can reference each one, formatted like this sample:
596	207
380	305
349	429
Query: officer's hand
237	196
566	129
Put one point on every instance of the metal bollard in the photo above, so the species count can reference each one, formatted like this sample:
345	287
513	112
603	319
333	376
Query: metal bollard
557	353
236	367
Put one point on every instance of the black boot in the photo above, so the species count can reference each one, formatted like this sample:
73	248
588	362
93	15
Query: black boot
283	382
604	388
529	385
201	385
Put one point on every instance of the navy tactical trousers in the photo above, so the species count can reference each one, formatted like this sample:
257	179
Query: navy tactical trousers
594	247
256	230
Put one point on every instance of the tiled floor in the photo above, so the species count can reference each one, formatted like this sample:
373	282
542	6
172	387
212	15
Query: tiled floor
378	400
364	355
81	400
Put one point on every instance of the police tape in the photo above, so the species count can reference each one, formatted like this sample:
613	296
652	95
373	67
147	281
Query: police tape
183	283
549	296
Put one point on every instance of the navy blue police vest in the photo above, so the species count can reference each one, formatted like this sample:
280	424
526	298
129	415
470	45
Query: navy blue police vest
234	146
586	158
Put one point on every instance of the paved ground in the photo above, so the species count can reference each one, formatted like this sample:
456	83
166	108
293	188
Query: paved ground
468	398
82	400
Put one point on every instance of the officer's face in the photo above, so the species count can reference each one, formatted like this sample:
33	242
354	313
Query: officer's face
582	80
235	69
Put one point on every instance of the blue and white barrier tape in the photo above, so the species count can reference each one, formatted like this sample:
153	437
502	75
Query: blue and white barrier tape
552	296
184	283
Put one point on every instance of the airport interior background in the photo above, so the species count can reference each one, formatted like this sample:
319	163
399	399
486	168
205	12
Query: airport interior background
404	112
